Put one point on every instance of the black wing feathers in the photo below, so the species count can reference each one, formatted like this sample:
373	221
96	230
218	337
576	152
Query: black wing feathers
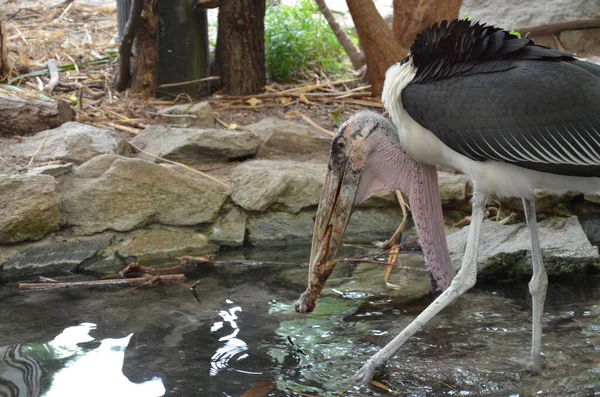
490	95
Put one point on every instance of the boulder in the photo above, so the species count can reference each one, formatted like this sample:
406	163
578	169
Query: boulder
282	139
592	198
119	193
55	258
189	115
196	146
277	229
544	200
28	207
547	16
71	142
230	228
506	249
158	245
287	185
54	170
590	223
582	41
453	187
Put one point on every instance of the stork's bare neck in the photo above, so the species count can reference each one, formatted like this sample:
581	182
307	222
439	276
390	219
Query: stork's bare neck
511	115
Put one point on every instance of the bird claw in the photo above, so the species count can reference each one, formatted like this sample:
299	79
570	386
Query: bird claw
364	375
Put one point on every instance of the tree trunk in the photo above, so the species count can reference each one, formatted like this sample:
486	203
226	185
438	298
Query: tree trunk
356	56
146	54
240	52
25	116
412	16
377	40
5	66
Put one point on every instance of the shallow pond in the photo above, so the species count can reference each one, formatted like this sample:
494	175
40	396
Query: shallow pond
243	338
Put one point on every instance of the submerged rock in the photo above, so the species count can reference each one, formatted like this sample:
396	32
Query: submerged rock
55	258
28	207
119	193
71	142
506	249
195	146
289	185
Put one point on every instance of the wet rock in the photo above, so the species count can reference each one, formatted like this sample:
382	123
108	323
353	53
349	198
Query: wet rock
505	249
590	223
189	115
54	170
581	41
278	229
367	281
71	142
282	139
368	225
55	258
164	244
540	16
287	185
195	146
119	193
28	207
230	228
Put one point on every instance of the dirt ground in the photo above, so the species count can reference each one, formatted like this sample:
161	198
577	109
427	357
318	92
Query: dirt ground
76	34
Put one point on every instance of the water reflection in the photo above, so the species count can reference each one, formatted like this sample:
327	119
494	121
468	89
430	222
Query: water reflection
66	366
233	345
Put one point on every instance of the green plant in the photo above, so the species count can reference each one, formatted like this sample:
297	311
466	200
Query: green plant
298	42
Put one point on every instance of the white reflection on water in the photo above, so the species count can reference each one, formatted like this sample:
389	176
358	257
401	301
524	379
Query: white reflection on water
233	345
96	372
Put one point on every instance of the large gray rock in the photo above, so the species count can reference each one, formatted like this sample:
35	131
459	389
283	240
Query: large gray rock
119	193
189	115
230	228
163	244
280	229
534	16
282	139
28	207
582	41
290	186
55	258
453	187
195	146
590	223
505	249
366	226
71	142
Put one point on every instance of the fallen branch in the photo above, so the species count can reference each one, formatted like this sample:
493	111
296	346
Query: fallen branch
92	283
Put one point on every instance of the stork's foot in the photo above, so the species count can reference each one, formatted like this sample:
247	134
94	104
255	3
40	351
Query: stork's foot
365	374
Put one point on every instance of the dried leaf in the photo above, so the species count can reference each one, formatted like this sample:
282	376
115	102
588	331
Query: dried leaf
253	101
24	58
285	100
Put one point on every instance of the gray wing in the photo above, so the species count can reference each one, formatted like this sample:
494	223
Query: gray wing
537	114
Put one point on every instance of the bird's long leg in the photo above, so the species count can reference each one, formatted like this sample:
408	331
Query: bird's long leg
537	286
462	282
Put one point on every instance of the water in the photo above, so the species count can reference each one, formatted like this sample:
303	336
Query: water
243	337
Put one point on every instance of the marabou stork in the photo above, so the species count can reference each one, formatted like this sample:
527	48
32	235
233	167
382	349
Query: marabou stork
511	115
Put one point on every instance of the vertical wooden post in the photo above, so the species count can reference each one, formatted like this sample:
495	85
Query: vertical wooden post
5	66
146	55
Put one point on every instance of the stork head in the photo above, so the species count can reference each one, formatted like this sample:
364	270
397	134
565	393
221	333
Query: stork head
365	157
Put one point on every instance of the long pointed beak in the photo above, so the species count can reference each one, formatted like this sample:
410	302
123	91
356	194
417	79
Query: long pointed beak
335	208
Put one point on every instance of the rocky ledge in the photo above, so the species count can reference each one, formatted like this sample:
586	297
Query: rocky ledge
95	204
